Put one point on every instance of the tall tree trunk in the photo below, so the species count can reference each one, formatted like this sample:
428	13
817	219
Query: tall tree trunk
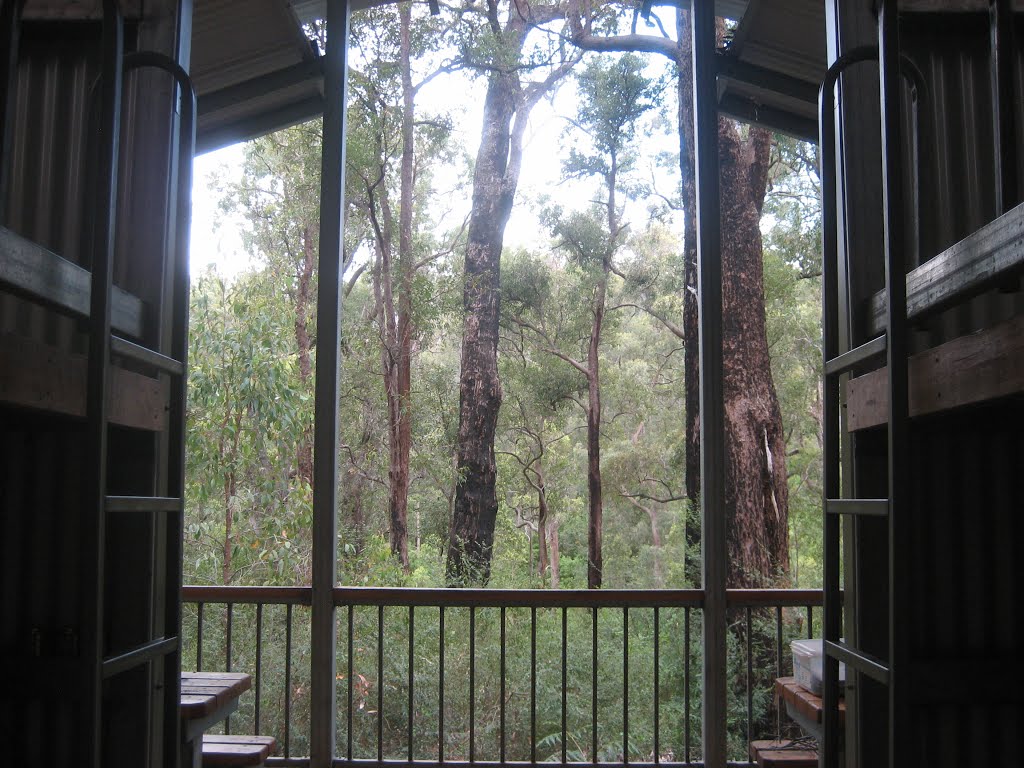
556	559
476	503
542	518
757	493
303	300
507	107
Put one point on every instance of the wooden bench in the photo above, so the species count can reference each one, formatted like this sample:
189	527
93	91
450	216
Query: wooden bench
236	751
782	754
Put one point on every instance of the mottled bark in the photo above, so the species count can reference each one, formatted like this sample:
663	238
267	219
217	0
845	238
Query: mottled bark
757	493
507	107
543	559
480	393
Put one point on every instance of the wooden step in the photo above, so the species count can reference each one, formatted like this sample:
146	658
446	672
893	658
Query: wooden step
782	754
236	751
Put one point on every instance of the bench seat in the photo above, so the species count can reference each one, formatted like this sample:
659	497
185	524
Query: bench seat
236	751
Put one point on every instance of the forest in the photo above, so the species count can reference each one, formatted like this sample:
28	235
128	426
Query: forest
518	414
519	404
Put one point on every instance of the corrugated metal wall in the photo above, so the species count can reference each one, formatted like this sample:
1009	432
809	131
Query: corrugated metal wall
966	464
41	456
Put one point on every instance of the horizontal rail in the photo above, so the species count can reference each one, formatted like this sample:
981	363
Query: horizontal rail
485	662
962	270
519	598
41	275
247	595
115	665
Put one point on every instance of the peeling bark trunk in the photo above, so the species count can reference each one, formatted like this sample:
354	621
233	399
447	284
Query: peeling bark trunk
542	519
480	394
757	493
507	107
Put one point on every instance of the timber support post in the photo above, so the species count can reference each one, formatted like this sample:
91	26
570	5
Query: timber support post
325	446
714	565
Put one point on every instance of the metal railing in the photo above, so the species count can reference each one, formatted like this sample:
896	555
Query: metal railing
431	677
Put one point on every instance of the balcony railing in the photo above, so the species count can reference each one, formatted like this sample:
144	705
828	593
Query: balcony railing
491	678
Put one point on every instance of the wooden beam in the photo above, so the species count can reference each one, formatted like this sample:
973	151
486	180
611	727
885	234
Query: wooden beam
34	375
970	369
41	275
970	266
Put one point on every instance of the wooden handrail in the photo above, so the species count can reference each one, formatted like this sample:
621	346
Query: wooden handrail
508	598
239	595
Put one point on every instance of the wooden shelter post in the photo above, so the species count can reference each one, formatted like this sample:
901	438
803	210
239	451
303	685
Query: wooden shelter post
325	441
712	415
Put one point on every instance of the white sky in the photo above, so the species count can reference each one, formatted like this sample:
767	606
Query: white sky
216	238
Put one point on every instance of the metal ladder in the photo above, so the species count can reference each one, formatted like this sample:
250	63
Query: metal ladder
892	346
168	358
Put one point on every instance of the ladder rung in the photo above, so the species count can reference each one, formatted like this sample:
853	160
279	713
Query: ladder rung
144	504
849	360
859	661
143	654
864	507
146	356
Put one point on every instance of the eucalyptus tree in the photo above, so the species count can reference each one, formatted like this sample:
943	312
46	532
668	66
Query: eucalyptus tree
614	94
503	46
757	494
536	430
389	155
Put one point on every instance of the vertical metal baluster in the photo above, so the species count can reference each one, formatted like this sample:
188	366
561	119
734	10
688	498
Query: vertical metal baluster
593	684
348	714
288	682
750	679
472	684
778	641
199	637
686	684
778	668
533	684
565	638
380	683
657	686
259	662
501	706
810	621
412	633
625	684
227	654
440	689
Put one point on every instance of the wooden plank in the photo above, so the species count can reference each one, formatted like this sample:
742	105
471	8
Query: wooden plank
34	375
971	369
805	702
966	268
782	754
42	275
236	750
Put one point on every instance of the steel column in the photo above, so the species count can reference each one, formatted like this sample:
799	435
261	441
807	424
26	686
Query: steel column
712	415
325	480
93	530
894	212
1004	108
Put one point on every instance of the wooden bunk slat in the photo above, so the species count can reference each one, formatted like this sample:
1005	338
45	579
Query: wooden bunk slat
961	270
970	369
42	275
37	376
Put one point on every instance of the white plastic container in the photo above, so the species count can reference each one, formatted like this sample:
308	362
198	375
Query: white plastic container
807	665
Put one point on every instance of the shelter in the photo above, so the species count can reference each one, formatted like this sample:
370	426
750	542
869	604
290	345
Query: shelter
923	336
